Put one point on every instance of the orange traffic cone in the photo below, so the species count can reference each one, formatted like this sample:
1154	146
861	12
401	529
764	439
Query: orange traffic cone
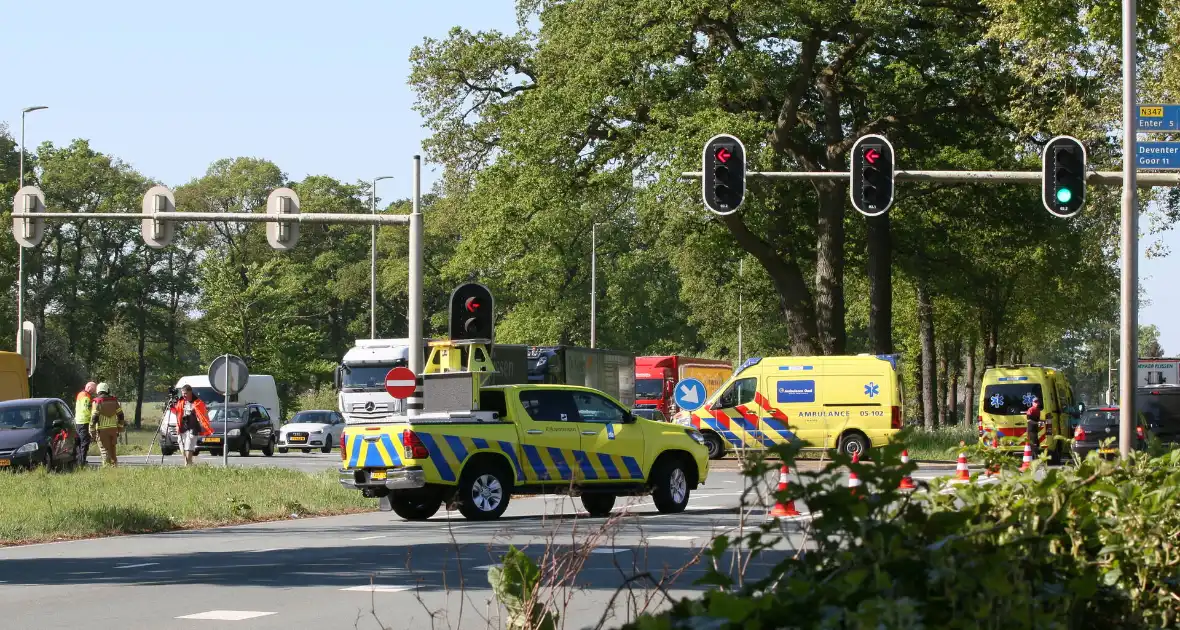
906	482
779	509
961	472
853	480
994	470
1026	461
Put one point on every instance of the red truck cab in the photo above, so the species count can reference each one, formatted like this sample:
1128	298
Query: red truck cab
656	378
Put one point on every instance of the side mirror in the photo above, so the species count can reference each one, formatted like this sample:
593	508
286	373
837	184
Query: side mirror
338	376
629	418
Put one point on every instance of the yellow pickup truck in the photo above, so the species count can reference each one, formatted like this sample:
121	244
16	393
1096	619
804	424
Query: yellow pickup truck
525	439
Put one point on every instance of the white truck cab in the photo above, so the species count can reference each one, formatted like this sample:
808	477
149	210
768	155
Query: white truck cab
360	380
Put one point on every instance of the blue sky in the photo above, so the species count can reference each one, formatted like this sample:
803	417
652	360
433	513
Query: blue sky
316	87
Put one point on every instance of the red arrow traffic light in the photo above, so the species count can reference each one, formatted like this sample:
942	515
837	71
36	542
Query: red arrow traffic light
472	305
724	154
872	155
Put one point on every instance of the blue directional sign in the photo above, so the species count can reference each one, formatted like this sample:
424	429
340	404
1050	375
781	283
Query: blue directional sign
1158	118
690	394
1157	155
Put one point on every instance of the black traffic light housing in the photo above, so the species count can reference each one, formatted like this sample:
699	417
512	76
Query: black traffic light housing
724	174
1063	176
471	313
871	182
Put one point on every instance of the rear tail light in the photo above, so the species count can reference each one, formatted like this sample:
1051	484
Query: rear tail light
413	446
1139	432
895	418
979	426
343	442
1080	434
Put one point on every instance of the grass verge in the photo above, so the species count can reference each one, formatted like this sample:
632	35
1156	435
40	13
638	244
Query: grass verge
941	443
41	507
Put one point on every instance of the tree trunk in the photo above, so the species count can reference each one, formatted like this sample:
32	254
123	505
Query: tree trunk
919	408
829	271
944	394
969	403
141	372
880	285
991	350
929	373
954	365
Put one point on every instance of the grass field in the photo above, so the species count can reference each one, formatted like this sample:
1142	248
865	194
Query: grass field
940	444
40	506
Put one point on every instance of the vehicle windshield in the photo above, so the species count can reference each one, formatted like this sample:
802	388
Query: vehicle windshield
1010	399
21	418
209	395
364	376
1099	418
312	417
235	413
647	388
1159	410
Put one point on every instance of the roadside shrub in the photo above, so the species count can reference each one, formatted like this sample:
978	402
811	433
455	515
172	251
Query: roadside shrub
1090	546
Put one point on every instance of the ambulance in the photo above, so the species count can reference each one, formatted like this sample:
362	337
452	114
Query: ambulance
850	403
1007	393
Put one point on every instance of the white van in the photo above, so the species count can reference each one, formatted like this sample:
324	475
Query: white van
260	389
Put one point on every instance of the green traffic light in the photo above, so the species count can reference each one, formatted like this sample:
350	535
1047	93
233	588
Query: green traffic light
1064	195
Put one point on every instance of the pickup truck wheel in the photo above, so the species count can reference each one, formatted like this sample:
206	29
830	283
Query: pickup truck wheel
715	445
598	505
483	493
414	508
670	486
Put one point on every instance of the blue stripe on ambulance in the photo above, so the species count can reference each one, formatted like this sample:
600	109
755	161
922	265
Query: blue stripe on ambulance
480	443
584	463
534	457
608	464
632	467
456	444
510	451
778	427
725	433
563	467
440	462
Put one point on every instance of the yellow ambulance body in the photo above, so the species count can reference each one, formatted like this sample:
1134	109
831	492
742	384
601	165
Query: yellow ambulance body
1008	392
850	403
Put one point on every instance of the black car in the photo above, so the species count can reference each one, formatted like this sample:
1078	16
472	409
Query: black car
1097	426
249	428
1158	407
37	432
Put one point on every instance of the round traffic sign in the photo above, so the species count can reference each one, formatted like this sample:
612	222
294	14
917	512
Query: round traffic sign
690	394
400	382
228	374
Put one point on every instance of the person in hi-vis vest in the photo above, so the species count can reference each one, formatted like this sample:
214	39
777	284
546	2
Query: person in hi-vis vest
106	421
82	406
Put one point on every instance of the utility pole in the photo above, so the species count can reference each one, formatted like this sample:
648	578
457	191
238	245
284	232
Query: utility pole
1129	292
741	272
593	284
373	260
1109	363
20	266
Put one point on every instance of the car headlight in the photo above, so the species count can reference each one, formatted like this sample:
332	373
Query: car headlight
317	432
696	436
27	448
264	432
234	433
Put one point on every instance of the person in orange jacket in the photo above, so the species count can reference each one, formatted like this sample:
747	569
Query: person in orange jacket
192	420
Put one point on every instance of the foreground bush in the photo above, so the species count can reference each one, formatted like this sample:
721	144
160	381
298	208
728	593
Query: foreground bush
1091	546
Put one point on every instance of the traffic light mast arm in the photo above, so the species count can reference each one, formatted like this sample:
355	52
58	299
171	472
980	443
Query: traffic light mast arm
227	217
1107	178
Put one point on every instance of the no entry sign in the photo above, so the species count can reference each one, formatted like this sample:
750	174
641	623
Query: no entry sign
400	382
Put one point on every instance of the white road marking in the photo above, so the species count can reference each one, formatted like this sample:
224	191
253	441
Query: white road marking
378	588
486	567
227	615
136	566
369	537
672	538
609	550
266	550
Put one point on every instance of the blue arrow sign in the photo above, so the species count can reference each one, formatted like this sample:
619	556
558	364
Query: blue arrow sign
1157	155
1157	118
690	394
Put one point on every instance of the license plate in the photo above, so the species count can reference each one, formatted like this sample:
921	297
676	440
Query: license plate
213	440
297	438
377	475
5	462
1106	451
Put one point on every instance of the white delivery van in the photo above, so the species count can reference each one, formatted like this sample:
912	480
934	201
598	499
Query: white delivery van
260	389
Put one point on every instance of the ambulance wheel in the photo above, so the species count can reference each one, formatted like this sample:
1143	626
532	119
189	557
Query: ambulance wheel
670	486
854	443
483	492
415	508
598	505
715	445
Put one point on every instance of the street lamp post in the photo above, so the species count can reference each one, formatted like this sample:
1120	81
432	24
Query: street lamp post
20	267
593	285
373	260
1109	363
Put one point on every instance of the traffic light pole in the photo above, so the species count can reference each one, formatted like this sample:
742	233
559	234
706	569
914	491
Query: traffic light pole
414	403
1111	178
1129	289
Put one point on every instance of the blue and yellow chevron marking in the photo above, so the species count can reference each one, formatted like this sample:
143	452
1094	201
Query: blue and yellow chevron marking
377	453
447	453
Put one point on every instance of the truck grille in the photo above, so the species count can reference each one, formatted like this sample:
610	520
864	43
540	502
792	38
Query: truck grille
379	411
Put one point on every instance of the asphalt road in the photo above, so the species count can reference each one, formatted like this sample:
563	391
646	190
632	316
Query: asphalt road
372	571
